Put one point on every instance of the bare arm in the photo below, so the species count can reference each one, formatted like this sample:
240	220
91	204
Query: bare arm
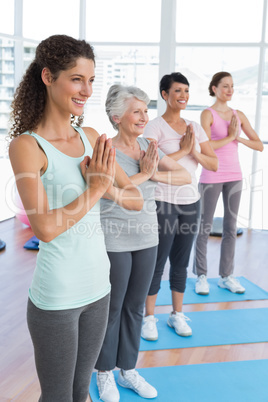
253	140
148	164
123	191
207	157
186	145
28	160
170	172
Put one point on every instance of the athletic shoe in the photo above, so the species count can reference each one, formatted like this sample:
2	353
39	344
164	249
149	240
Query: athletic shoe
178	322
131	379
107	387
149	329
232	284
201	285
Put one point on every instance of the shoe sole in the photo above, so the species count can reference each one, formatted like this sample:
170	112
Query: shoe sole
115	400
239	292
184	335
130	387
202	293
149	339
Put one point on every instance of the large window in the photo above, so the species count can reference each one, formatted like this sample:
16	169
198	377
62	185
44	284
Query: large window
7	70
41	20
123	21
126	65
199	64
135	44
264	102
7	17
211	21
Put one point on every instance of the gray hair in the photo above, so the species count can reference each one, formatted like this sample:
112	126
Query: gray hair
116	100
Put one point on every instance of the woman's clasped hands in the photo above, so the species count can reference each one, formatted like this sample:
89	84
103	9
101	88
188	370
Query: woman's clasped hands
99	170
149	160
233	129
187	141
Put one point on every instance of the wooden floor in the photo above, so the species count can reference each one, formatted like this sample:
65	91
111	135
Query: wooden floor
18	381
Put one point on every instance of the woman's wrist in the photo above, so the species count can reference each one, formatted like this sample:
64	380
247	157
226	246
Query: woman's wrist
145	175
183	152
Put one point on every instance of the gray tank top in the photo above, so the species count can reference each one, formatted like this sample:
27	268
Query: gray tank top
126	230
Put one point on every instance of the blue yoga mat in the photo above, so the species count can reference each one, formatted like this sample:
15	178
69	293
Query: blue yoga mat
244	381
210	328
216	294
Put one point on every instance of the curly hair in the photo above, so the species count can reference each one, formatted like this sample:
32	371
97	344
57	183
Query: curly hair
57	53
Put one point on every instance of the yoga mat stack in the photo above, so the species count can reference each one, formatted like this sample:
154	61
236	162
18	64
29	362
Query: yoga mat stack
241	381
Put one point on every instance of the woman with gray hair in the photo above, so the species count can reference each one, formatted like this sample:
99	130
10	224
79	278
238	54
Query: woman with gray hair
131	241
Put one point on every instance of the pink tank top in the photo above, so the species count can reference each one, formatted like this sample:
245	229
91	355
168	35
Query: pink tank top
229	167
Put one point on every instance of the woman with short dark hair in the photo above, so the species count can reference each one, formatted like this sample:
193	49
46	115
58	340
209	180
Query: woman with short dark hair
177	207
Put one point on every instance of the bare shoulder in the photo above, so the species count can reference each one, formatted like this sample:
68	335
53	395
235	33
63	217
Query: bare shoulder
241	115
91	134
206	114
23	143
26	155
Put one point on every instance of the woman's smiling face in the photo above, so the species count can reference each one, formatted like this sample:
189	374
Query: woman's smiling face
70	91
177	96
225	89
135	117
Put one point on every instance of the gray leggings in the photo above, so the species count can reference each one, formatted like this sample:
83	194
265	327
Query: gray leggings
231	194
66	347
130	276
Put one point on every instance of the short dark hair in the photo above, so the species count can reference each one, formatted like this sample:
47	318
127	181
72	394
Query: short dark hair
168	79
216	80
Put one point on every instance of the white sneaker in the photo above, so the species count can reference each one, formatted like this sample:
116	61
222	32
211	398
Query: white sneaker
232	284
131	379
201	285
149	329
178	322
107	387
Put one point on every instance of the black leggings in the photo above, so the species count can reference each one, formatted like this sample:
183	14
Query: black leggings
66	347
178	226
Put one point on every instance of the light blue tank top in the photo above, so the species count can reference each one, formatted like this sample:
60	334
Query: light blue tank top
73	269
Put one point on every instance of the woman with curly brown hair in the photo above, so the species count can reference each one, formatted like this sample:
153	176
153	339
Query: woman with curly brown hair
61	172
